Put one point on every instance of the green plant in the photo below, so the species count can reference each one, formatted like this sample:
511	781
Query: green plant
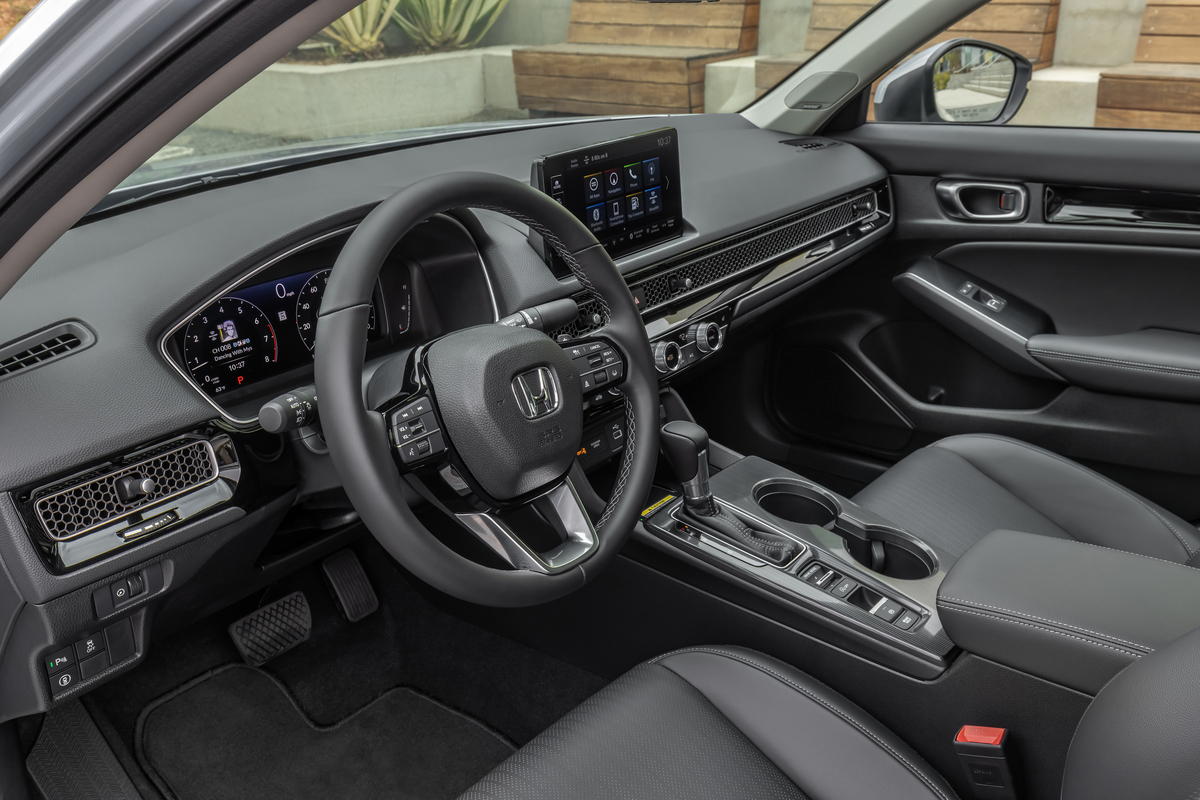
357	32
447	24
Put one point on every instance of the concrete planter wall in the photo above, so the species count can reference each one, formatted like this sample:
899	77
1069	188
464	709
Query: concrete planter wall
316	102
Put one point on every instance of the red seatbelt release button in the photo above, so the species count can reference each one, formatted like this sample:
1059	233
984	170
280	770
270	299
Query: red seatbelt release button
983	753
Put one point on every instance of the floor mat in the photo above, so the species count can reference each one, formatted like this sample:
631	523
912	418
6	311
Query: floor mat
237	732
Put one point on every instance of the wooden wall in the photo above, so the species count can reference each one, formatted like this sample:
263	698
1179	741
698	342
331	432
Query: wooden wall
718	26
1025	26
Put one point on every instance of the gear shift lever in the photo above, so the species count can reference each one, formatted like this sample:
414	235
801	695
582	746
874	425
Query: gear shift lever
686	446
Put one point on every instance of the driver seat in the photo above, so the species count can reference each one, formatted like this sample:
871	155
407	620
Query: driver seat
722	723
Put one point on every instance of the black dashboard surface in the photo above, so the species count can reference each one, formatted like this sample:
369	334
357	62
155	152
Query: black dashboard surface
130	277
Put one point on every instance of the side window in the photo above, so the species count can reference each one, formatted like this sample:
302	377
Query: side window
1093	64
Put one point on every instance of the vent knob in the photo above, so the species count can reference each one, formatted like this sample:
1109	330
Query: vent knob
131	488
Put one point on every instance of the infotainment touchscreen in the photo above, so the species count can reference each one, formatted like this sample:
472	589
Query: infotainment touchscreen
626	190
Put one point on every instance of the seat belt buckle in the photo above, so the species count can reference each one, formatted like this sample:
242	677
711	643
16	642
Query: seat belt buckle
983	753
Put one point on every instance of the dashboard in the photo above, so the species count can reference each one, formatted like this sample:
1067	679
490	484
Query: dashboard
180	319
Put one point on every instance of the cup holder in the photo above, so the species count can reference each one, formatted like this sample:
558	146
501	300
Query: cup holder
895	557
796	503
887	551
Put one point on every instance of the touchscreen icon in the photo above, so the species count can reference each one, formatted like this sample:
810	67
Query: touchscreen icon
613	185
654	200
595	217
635	206
616	211
633	177
651	173
593	188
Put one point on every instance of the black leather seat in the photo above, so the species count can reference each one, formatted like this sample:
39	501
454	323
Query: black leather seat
956	491
720	723
726	723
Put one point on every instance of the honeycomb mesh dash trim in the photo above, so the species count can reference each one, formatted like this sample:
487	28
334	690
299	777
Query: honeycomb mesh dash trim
92	503
742	252
272	629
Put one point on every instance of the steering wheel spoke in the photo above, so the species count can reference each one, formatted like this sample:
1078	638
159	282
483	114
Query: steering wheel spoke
560	510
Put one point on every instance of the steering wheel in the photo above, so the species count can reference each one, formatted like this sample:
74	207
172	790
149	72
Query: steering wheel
499	408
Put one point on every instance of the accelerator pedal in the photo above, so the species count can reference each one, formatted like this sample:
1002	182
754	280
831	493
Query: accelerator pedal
348	583
272	629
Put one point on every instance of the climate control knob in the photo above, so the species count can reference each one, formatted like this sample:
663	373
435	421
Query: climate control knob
667	356
706	335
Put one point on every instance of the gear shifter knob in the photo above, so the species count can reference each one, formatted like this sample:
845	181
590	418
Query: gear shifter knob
686	446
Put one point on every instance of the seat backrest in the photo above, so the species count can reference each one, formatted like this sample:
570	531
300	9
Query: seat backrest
1140	738
725	26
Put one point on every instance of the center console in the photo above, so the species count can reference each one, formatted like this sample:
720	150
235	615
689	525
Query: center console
842	566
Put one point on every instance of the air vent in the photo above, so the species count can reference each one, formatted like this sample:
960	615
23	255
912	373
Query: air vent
810	143
43	347
692	272
71	509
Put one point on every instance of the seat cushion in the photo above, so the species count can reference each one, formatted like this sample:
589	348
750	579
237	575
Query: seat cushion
956	491
715	723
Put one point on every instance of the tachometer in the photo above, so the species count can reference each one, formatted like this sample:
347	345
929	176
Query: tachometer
229	344
308	305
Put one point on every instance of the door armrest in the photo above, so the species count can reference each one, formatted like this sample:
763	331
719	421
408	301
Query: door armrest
1148	363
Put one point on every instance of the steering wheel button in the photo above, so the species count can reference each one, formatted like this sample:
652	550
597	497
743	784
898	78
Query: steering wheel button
616	371
600	378
576	352
594	347
423	447
587	382
436	443
609	357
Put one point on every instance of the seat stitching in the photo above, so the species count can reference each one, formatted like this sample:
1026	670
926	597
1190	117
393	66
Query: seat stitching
1025	616
1139	366
988	615
819	701
1091	474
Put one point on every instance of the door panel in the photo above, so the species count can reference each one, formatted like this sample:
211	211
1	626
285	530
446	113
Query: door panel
855	373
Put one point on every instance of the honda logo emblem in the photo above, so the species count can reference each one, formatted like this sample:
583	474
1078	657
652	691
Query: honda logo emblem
536	392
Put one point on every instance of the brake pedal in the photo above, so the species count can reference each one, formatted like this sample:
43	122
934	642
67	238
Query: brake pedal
348	583
272	629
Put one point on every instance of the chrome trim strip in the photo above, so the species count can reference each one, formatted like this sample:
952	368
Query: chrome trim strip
216	474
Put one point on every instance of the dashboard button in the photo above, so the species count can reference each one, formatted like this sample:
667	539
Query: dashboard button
651	172
600	377
63	681
119	638
57	662
595	217
906	619
89	646
556	185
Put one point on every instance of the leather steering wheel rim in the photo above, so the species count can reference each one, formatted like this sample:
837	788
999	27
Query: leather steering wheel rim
358	437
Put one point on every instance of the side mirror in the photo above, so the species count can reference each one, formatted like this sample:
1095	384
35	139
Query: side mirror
962	80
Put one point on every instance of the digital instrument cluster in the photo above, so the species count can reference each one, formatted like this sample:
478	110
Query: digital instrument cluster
258	331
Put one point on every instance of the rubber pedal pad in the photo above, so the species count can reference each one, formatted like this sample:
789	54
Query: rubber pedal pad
348	583
272	629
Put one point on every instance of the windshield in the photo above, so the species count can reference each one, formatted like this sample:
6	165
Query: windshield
396	69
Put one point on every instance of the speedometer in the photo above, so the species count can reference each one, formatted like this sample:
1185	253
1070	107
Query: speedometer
308	305
229	344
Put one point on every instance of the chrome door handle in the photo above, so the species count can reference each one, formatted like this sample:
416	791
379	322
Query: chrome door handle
974	200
